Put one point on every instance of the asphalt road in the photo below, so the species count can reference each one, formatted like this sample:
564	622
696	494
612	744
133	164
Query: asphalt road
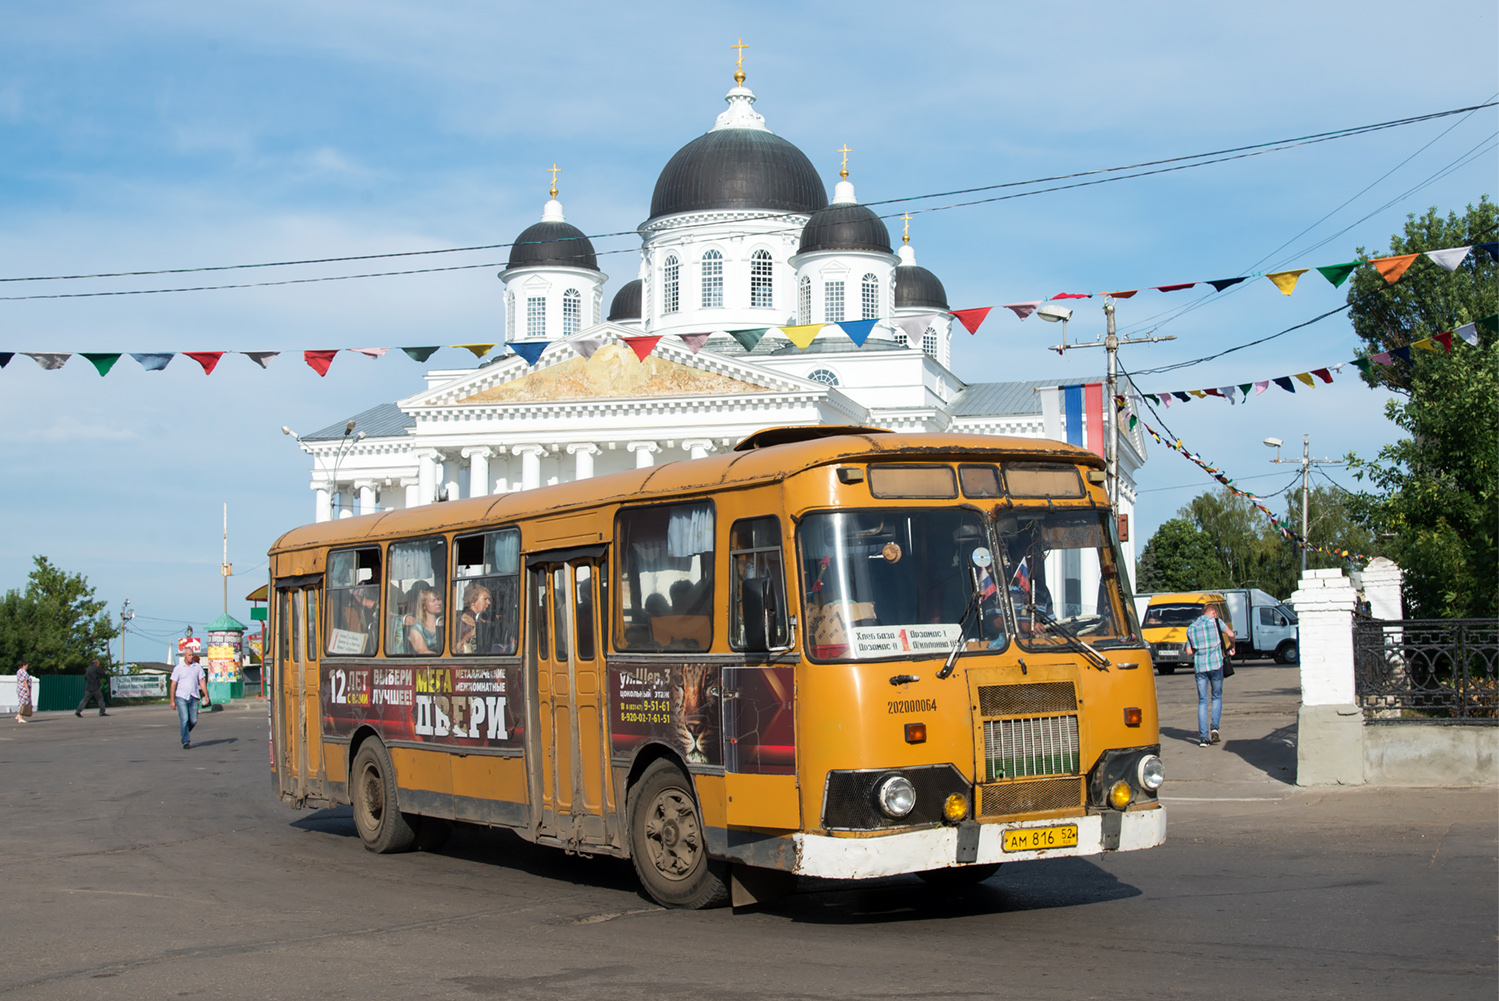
135	869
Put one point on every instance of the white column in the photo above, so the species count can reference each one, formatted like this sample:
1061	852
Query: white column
1330	726
366	490
450	487
583	453
478	469
411	487
1381	581
530	458
645	453
426	476
321	493
699	447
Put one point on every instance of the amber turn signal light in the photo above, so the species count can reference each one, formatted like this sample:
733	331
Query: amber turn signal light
915	733
1132	716
955	808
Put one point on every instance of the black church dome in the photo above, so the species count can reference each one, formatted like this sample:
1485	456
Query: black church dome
738	168
553	243
626	302
918	288
845	227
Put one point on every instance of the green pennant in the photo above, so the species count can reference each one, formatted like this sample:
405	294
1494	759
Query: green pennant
749	338
1362	364
1338	273
1245	387
1152	398
1133	420
1489	323
420	354
102	362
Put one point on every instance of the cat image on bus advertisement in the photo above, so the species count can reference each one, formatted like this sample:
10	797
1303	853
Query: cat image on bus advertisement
694	714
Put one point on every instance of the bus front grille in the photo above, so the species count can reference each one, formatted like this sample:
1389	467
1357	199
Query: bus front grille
1027	700
1004	799
1031	746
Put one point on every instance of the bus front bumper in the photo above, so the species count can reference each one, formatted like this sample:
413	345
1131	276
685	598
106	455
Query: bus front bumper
937	848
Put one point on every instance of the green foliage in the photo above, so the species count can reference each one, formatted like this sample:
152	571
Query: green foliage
56	623
1220	540
1435	497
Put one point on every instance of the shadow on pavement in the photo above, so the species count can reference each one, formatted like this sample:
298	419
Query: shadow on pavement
1274	753
1177	733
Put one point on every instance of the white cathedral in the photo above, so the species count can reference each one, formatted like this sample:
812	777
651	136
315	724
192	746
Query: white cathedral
741	237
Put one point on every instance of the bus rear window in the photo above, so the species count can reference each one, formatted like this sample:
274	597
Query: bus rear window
913	482
1042	479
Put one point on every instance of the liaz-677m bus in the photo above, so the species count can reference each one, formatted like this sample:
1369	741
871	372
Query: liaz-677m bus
836	652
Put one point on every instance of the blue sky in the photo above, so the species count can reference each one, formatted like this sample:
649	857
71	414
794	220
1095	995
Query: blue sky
155	135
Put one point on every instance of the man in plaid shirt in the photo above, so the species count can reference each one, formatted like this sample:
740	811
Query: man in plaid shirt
1206	638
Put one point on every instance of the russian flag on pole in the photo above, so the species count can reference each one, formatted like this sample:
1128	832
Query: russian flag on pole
1084	408
1022	578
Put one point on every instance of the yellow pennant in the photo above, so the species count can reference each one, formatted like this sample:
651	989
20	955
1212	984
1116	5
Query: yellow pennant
479	350
1393	267
1197	393
1425	344
1306	377
802	334
1286	280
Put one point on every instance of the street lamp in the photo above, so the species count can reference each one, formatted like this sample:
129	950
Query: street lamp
1052	314
343	449
1307	462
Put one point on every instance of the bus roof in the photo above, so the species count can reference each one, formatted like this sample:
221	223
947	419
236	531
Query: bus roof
731	470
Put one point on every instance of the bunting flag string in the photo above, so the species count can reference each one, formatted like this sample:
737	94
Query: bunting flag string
1467	333
1218	474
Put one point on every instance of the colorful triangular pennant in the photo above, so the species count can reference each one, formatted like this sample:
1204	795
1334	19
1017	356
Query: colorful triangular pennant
972	318
1449	259
801	334
153	361
748	337
49	360
642	346
1223	283
530	350
1286	280
1022	309
102	362
1393	267
261	358
858	330
420	354
694	342
478	350
1338	273
319	361
208	359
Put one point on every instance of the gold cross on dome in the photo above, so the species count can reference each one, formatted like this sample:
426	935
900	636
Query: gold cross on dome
845	151
905	236
554	170
739	63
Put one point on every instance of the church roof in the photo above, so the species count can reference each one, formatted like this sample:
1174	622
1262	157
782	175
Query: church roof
997	399
383	421
738	168
918	288
626	302
554	243
845	227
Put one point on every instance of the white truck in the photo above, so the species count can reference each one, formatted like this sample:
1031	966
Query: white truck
1265	626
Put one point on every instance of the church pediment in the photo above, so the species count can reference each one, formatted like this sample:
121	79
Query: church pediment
612	372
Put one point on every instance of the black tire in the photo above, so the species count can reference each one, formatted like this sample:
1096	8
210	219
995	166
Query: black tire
432	833
1286	653
377	812
669	844
1165	668
957	877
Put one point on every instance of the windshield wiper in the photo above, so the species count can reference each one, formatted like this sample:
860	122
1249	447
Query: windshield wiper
973	604
1099	660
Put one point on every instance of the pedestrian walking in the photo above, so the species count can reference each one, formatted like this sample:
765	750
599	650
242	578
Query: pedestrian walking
1207	637
23	694
186	688
92	689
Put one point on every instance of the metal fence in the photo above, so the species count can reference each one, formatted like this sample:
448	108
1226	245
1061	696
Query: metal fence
1427	670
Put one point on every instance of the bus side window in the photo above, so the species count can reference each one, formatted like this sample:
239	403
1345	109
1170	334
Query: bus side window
353	626
665	593
757	606
485	601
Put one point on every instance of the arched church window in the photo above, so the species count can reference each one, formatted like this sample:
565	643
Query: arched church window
823	375
572	311
536	316
804	300
832	302
871	300
761	291
929	341
671	282
712	280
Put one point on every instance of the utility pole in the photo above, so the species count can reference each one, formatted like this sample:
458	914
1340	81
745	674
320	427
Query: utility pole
1110	343
225	566
126	614
1307	462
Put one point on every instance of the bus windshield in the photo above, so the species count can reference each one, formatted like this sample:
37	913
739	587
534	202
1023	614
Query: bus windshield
893	583
1060	565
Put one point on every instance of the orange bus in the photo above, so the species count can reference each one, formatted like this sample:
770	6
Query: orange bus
837	652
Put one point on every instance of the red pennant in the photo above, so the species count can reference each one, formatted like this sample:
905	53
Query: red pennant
319	360
972	318
642	346
1073	295
208	359
1444	339
1215	392
1173	288
1322	374
1121	295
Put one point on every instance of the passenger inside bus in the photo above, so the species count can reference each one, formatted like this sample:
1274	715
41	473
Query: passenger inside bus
476	622
424	637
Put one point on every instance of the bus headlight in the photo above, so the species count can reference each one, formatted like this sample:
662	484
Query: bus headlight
895	795
1121	795
955	808
1151	772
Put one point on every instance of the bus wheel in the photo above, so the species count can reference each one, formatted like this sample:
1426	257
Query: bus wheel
377	814
957	877
668	843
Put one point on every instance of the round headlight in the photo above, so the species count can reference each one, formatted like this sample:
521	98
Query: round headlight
1151	772
1121	795
955	808
895	795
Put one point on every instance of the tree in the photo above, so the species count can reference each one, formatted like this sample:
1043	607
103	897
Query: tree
1435	498
1179	557
56	623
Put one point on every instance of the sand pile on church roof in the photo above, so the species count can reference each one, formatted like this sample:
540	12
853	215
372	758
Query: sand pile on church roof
612	372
